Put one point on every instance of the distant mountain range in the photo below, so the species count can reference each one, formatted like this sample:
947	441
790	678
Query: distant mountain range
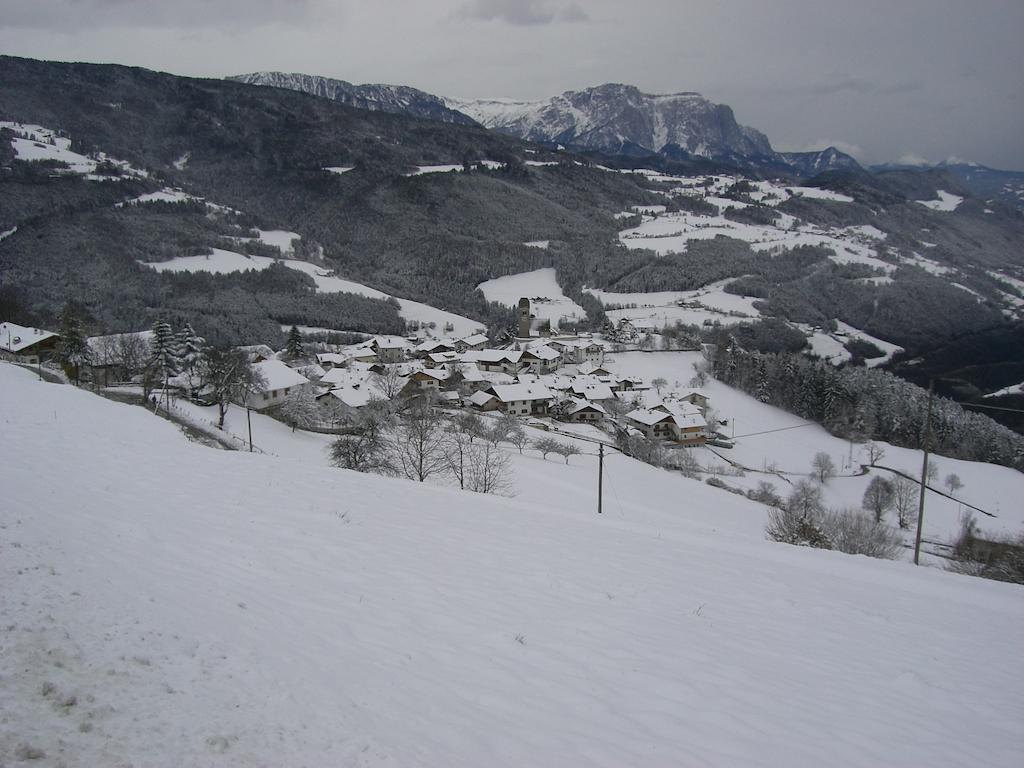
610	119
400	99
983	182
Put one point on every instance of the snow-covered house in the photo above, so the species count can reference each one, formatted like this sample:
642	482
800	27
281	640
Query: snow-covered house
388	350
654	425
581	411
432	346
681	424
116	357
592	390
495	360
280	382
471	343
435	359
483	401
425	381
523	399
24	344
540	359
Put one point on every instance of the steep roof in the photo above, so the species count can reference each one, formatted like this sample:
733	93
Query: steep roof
508	393
278	375
15	338
648	418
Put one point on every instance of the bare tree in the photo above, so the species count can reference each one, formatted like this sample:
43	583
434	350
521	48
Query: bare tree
546	445
470	424
566	450
823	466
363	452
417	445
953	482
489	470
299	409
904	497
519	438
502	428
231	378
875	452
458	445
856	533
658	384
878	498
390	382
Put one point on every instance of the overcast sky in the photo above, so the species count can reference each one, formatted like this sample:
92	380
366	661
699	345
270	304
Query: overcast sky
881	79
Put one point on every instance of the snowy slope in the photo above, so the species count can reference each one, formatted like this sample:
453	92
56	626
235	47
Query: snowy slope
547	302
167	604
220	261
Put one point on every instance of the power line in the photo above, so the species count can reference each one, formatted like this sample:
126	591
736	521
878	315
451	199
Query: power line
991	407
780	429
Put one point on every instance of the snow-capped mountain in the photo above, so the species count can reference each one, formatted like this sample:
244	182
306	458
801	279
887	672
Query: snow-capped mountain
813	163
375	97
618	119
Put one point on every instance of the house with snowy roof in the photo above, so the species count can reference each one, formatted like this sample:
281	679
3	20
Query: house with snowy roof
495	360
580	411
540	359
471	343
389	350
683	426
483	401
523	399
280	380
25	344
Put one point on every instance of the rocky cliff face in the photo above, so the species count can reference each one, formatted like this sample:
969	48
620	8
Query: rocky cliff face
375	97
618	119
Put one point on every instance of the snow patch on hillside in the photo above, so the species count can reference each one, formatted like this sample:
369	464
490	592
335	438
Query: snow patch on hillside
547	302
947	201
223	261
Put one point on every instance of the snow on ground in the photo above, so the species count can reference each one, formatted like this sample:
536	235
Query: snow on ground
165	195
672	232
424	169
540	163
547	302
35	142
1013	389
538	244
988	486
946	202
710	304
928	265
888	348
339	169
279	238
7	233
222	261
168	604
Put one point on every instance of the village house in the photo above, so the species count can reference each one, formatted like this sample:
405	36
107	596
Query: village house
432	346
580	411
280	382
424	381
523	399
495	360
24	344
540	360
654	425
483	401
389	350
471	343
679	422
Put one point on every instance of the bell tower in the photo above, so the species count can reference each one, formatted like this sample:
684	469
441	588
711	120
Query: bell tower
524	318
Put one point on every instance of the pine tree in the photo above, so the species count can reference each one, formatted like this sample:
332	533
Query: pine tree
163	352
189	349
294	348
72	350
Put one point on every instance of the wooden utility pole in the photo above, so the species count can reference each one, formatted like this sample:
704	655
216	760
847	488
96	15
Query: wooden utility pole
248	420
600	475
924	473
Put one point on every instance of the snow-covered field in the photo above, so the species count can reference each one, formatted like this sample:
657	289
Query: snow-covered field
169	604
36	142
222	261
709	304
547	302
791	451
947	201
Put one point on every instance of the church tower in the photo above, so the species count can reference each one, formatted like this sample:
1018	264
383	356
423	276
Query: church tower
524	318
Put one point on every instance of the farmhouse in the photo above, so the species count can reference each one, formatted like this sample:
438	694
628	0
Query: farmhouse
24	344
280	382
523	399
388	350
579	411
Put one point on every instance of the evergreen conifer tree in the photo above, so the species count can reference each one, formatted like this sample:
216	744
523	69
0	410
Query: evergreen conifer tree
294	347
72	350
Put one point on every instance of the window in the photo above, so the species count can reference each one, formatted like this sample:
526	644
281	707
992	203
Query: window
266	396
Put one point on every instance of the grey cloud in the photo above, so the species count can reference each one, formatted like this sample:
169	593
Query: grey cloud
72	15
522	13
850	84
